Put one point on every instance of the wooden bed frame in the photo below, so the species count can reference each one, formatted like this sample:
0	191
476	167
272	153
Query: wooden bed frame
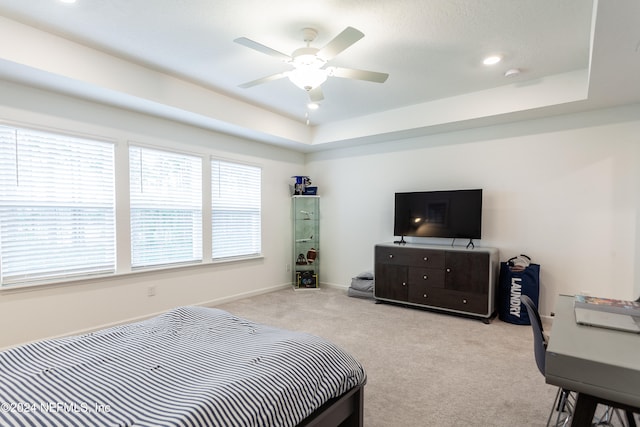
343	411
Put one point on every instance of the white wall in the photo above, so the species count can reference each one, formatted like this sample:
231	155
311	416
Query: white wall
40	312
564	190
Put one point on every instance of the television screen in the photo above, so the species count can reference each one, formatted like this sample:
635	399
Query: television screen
451	214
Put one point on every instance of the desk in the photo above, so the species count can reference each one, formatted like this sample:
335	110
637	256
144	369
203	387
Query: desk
601	365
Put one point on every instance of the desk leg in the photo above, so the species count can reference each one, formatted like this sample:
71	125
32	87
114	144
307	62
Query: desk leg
584	410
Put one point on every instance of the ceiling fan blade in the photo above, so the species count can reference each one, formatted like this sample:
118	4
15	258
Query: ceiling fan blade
262	48
350	73
263	80
342	41
316	95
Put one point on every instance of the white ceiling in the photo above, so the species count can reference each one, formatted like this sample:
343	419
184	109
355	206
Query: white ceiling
177	59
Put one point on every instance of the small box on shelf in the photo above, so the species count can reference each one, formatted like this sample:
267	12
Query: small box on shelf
306	279
310	191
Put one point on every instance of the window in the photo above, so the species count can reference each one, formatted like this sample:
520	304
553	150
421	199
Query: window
166	207
57	215
235	206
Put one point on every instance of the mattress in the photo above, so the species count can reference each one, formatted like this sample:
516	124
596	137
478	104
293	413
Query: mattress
191	366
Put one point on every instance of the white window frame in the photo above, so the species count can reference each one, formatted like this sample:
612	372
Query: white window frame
157	192
236	210
50	174
120	182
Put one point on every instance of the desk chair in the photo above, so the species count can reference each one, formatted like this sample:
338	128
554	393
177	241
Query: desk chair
563	402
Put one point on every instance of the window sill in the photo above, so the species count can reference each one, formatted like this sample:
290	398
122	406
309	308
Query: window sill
75	281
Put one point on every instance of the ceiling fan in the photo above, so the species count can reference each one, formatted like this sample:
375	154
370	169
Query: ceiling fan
310	68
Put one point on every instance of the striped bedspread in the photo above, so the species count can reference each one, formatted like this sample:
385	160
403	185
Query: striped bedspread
192	366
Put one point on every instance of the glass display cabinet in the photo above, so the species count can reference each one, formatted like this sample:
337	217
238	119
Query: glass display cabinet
306	238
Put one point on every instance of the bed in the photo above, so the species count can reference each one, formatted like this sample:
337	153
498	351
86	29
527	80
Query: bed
191	366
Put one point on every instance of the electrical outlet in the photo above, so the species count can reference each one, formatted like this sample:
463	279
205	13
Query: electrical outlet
151	291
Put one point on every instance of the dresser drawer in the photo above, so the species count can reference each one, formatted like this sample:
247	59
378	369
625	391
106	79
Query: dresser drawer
392	255
410	257
427	277
455	300
391	282
426	258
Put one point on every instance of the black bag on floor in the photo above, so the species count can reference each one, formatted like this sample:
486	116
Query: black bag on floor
517	277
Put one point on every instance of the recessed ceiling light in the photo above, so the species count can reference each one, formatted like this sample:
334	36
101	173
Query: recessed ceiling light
512	72
492	60
313	106
68	1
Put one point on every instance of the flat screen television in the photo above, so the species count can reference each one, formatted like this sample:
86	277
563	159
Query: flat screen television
448	214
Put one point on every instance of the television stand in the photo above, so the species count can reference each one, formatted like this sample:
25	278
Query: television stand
454	280
401	241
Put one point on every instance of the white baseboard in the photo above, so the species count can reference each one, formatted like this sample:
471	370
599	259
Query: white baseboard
209	303
334	286
235	297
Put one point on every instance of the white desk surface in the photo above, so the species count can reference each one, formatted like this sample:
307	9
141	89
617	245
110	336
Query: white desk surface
596	361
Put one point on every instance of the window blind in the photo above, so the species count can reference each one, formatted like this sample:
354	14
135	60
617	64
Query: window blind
166	207
57	215
235	209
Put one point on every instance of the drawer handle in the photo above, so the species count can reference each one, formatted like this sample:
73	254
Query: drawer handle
425	295
425	277
426	258
390	255
464	301
404	283
448	270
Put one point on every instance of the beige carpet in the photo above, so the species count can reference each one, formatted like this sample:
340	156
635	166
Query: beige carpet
423	368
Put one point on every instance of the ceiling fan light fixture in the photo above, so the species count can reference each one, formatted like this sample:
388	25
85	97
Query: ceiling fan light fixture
309	63
307	78
492	60
306	57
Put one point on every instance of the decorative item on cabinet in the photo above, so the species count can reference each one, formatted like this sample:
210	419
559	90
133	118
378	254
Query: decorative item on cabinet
311	255
302	186
306	279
